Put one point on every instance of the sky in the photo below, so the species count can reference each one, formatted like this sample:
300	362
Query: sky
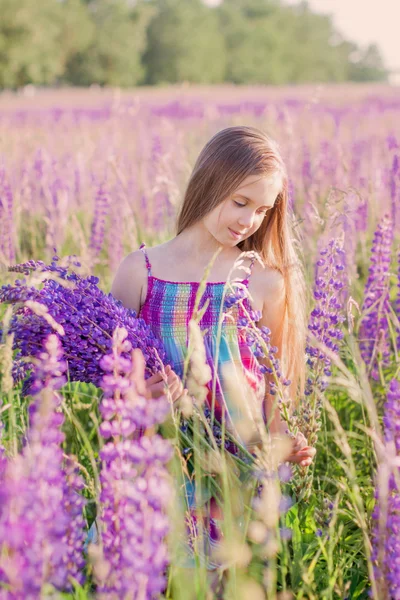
363	22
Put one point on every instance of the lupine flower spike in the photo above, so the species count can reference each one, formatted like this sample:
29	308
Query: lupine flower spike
135	484
386	513
374	328
41	526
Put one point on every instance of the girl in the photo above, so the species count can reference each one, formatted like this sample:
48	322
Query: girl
236	200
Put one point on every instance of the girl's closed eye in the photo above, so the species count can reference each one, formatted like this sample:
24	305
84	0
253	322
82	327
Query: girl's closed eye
261	212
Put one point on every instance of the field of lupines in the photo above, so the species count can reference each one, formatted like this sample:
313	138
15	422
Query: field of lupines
80	187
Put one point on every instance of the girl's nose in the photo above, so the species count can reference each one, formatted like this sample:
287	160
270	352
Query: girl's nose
246	221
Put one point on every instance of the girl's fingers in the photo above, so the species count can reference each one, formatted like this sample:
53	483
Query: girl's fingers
302	454
172	376
155	378
299	460
157	389
299	442
309	449
176	390
178	397
306	454
174	383
158	386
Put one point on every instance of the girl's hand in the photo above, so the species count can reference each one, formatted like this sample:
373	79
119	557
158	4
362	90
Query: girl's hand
174	384
301	453
157	387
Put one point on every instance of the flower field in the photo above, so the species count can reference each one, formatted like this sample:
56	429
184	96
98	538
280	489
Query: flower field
93	501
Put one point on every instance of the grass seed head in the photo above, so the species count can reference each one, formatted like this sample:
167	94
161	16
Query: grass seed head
233	552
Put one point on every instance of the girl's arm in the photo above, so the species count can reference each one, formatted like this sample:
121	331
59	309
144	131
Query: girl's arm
129	280
127	286
273	317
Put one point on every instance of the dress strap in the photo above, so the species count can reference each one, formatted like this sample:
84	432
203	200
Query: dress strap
142	247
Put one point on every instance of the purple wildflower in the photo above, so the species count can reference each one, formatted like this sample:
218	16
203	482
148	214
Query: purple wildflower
7	250
41	530
394	189
285	472
386	513
324	512
374	328
102	203
3	458
391	417
136	488
87	315
327	315
306	170
73	503
325	323
398	300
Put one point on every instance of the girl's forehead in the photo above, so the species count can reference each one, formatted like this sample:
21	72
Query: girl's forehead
259	181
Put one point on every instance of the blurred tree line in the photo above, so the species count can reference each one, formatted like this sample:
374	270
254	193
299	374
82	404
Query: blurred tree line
146	42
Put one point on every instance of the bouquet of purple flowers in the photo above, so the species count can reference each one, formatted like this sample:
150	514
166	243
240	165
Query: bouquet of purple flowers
61	300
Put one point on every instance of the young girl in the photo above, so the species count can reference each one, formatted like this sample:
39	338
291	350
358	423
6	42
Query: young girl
236	200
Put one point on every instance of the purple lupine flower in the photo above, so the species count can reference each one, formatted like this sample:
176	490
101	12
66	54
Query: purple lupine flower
325	323
102	203
324	513
327	315
37	531
115	248
73	503
87	316
56	198
386	513
374	328
3	457
361	217
306	169
7	249
136	488
391	417
394	186
397	306
392	142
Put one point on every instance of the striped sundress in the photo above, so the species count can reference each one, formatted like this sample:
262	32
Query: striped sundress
167	309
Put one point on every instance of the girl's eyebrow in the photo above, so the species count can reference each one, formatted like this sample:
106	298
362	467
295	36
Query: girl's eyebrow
250	200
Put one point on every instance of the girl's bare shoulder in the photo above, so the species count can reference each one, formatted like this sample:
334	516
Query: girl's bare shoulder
129	280
267	283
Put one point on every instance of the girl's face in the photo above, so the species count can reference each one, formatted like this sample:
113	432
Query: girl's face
242	213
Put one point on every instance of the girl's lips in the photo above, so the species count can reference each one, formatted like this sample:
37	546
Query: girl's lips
234	234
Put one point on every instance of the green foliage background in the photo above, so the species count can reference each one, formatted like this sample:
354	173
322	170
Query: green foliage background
151	42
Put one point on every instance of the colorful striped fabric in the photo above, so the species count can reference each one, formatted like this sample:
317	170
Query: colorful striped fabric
167	309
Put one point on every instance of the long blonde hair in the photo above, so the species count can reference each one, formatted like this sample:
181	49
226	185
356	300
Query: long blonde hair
226	160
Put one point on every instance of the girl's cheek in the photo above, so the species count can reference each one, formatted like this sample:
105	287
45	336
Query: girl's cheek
256	225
